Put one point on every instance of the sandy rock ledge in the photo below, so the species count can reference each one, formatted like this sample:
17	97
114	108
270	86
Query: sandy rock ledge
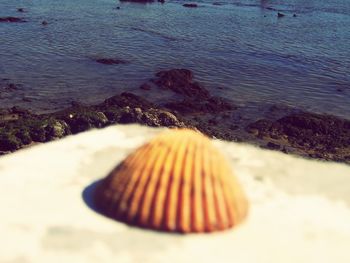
299	208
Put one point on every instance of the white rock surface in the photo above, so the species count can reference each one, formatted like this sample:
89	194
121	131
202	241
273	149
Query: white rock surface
300	209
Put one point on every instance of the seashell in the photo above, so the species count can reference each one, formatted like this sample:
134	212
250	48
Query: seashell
178	182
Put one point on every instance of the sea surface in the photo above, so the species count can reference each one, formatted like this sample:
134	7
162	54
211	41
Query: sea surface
239	49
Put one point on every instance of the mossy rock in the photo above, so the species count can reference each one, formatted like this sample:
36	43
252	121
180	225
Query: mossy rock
9	142
83	121
57	129
24	136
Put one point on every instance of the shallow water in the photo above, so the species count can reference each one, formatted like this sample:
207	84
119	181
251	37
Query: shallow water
240	50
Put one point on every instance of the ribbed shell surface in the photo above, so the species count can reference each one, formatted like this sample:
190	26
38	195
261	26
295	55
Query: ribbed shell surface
178	182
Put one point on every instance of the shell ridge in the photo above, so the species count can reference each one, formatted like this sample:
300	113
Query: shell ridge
159	199
139	186
170	209
208	192
149	188
182	203
197	213
132	178
203	192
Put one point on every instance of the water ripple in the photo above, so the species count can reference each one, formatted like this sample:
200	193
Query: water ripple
241	47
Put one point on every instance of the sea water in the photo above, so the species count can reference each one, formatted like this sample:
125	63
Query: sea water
239	49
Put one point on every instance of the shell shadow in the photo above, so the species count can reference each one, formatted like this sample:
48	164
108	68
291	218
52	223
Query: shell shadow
88	196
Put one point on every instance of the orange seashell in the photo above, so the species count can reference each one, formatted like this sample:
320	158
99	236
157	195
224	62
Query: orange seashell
178	182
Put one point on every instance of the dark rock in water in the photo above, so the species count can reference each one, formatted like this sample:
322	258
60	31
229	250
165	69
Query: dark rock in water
110	61
128	99
195	104
294	15
271	8
11	19
280	15
12	86
9	87
21	10
190	5
44	23
26	99
138	1
178	76
180	81
218	104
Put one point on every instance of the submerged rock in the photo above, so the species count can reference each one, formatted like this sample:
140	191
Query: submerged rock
145	86
190	5
110	61
138	1
128	99
11	19
181	81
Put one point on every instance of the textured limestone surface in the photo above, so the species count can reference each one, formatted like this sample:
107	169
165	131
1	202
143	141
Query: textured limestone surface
300	209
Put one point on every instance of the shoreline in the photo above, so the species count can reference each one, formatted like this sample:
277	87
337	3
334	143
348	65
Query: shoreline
183	102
